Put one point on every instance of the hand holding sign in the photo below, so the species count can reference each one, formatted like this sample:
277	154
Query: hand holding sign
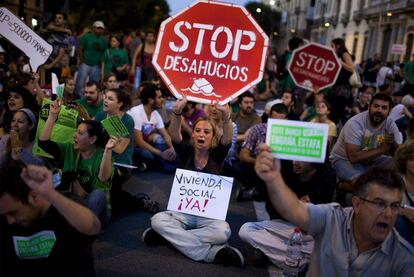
179	105
200	194
267	166
18	33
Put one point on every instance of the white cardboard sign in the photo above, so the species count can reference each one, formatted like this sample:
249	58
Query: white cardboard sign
200	194
24	38
297	140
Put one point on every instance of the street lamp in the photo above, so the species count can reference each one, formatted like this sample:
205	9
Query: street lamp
258	10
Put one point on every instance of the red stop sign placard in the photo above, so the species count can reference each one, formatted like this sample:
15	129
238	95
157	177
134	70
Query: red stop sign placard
314	66
211	51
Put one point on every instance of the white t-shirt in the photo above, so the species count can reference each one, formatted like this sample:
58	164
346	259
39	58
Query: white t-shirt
141	122
358	131
397	112
382	74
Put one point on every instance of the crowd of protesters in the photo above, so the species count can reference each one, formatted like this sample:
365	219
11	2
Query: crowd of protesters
347	205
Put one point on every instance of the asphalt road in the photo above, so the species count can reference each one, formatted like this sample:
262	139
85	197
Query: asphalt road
119	251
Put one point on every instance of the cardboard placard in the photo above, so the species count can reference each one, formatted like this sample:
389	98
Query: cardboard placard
297	140
63	130
200	194
114	126
24	38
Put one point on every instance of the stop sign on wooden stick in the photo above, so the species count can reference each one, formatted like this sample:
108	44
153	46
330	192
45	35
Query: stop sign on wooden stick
211	51
314	66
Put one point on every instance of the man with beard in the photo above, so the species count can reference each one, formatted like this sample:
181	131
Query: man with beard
367	139
246	117
153	142
357	241
92	99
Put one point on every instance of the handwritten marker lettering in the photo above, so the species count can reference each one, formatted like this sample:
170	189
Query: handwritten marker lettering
24	38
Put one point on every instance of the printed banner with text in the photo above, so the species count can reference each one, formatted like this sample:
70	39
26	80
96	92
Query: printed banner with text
200	194
297	140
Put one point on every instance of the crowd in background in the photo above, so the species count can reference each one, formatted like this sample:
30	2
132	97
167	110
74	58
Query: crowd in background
111	74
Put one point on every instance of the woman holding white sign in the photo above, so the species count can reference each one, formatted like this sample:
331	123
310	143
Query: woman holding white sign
199	238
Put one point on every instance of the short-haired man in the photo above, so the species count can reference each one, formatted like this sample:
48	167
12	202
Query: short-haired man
153	142
366	139
92	46
92	99
357	241
58	36
246	117
43	232
252	186
312	183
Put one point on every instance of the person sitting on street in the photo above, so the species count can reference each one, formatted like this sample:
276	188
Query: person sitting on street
404	160
153	143
92	99
312	183
252	188
116	102
367	139
348	241
87	166
199	238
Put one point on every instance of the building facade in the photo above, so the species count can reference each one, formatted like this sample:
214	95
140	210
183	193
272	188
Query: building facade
367	26
30	11
297	16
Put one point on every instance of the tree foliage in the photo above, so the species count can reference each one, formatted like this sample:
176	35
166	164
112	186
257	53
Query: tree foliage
268	19
119	15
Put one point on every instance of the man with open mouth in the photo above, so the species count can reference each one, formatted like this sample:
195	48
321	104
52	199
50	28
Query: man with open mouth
357	241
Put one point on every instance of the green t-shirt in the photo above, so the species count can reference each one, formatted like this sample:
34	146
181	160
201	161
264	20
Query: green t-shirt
126	156
114	57
92	111
93	48
409	72
87	170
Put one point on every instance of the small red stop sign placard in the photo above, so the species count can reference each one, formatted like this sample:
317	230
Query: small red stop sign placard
314	66
211	51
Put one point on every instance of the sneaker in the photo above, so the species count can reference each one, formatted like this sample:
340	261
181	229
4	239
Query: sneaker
151	206
152	238
229	256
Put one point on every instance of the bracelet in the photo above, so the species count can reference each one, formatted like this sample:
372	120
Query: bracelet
177	114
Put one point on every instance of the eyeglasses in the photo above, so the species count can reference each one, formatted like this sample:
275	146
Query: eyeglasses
381	205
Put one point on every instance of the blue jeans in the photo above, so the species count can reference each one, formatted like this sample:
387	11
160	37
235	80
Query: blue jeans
137	80
196	237
155	161
347	171
96	202
94	73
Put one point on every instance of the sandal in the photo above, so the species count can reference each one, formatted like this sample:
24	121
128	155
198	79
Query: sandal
151	206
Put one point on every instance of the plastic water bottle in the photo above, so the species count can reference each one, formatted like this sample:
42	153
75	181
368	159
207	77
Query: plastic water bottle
293	254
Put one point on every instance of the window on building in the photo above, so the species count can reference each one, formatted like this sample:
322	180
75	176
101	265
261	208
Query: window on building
355	44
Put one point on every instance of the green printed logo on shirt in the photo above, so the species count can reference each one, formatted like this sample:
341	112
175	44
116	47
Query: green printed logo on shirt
34	247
